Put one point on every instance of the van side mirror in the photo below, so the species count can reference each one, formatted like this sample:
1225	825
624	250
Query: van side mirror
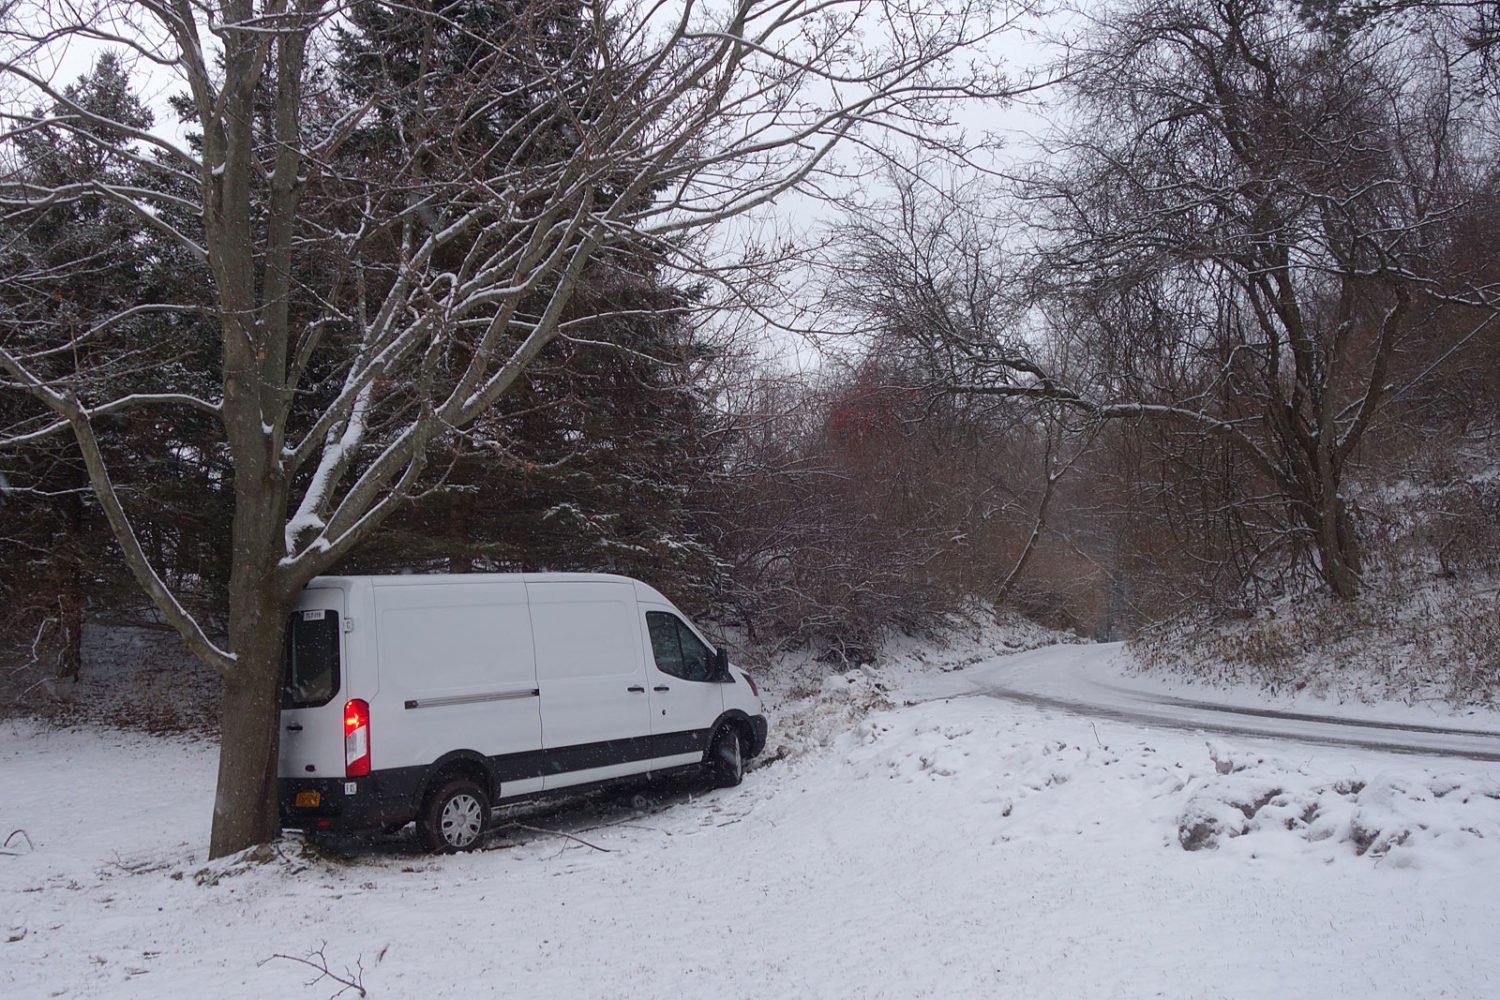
721	666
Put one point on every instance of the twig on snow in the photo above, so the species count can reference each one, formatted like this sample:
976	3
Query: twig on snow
30	847
352	979
556	833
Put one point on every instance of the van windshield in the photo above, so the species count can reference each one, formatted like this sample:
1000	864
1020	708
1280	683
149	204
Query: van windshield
311	676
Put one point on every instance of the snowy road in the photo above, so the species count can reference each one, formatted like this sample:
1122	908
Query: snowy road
1094	681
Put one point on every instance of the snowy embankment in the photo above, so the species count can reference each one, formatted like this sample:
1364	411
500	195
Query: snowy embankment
961	847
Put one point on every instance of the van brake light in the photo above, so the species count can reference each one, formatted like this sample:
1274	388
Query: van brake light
356	738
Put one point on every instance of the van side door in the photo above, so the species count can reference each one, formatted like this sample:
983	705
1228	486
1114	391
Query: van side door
457	673
592	677
685	698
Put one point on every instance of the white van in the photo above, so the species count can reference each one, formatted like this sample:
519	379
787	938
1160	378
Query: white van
431	698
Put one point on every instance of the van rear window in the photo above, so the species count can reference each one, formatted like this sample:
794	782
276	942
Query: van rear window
311	677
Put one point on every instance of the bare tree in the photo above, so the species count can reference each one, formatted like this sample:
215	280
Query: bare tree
1251	210
372	305
1231	231
926	278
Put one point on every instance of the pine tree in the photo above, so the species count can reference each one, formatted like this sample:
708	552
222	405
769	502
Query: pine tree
85	266
589	465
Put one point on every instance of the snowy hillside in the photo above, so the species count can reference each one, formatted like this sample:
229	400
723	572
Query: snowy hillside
906	845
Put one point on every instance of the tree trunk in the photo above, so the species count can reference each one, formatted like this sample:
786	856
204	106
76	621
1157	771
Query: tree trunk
1338	549
245	807
70	600
70	617
245	810
1014	576
260	599
460	553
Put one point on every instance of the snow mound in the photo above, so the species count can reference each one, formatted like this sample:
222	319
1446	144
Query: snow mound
1401	817
810	706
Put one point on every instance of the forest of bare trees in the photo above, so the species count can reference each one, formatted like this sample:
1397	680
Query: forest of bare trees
447	287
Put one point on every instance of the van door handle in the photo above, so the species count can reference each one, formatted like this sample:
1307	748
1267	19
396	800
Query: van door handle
636	688
661	687
294	727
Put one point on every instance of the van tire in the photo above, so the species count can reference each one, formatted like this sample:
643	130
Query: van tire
454	817
726	757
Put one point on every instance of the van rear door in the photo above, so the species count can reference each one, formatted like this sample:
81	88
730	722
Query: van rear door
314	688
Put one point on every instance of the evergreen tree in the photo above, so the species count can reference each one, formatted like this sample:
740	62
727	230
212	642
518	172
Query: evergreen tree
589	465
78	273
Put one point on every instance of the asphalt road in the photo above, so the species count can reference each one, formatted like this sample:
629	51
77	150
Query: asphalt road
1089	681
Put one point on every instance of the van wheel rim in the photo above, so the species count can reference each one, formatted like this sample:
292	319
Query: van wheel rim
460	820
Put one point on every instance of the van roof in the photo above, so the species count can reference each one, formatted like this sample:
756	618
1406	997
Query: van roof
643	590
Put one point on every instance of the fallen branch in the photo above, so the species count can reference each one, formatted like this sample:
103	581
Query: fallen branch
556	833
351	979
31	848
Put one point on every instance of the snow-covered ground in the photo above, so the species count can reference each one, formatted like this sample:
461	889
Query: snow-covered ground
906	840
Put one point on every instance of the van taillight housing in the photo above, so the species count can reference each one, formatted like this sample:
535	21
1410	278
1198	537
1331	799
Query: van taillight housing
356	738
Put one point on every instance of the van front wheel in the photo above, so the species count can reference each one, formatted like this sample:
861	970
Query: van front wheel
454	817
726	757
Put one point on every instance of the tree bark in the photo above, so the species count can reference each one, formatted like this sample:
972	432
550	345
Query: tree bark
1338	549
460	552
245	805
261	595
260	598
70	615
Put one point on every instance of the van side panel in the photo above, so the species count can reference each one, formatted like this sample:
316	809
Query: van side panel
457	672
592	678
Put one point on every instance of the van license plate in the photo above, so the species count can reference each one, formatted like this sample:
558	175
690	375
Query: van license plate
308	800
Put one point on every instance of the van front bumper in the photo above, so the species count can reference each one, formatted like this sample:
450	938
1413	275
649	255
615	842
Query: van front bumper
373	802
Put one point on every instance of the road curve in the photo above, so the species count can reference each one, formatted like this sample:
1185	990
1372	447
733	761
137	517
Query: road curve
1094	681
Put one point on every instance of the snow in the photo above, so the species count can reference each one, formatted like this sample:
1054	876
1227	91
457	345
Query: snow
908	837
330	466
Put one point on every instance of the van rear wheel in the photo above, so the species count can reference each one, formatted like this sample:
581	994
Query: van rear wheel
454	817
726	757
